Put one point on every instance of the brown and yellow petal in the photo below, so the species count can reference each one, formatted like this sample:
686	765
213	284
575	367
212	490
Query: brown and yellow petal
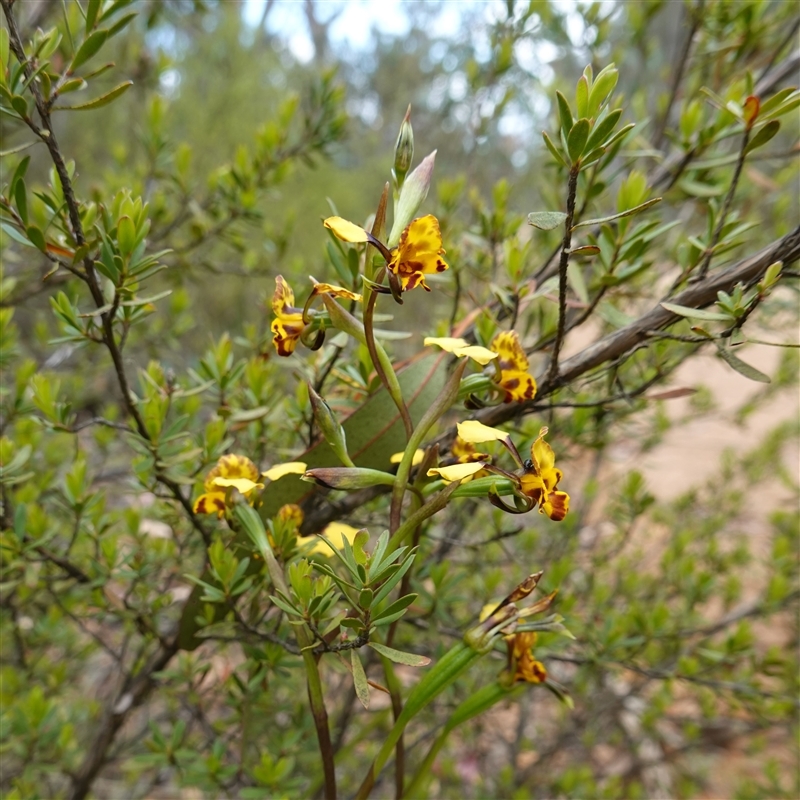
508	347
231	466
532	486
210	503
282	297
418	253
556	506
518	386
336	291
542	454
286	332
292	514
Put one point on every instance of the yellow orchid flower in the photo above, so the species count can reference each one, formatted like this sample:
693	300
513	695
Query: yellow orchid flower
231	470
518	384
462	348
418	253
288	324
540	480
522	666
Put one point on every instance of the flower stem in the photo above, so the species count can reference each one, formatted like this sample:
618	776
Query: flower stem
442	403
369	336
572	190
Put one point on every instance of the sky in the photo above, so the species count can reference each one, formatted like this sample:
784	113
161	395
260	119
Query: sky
355	21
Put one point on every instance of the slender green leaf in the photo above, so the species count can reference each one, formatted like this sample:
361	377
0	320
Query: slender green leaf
103	100
21	199
16	235
399	657
741	367
627	213
552	148
763	135
564	113
359	679
90	47
696	313
91	14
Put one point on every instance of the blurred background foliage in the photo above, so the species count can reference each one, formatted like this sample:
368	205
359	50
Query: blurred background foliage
245	122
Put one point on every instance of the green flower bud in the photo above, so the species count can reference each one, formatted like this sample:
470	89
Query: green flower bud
330	427
403	150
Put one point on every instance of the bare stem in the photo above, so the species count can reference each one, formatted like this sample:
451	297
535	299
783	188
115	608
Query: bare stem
563	263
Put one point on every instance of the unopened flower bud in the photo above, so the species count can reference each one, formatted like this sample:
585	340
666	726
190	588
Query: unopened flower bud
330	427
404	150
412	195
348	477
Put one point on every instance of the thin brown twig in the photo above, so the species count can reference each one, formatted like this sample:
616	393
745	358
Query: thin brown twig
563	264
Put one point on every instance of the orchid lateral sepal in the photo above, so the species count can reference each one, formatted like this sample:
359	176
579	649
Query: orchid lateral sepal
331	428
522	506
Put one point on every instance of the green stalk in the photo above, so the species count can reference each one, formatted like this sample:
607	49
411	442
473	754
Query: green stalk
479	702
433	506
439	406
372	346
254	527
344	321
446	671
395	692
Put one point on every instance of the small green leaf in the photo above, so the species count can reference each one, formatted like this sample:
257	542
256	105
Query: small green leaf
741	367
90	46
763	135
20	105
359	679
399	657
21	198
582	96
552	148
578	136
15	234
696	313
564	113
103	100
72	85
546	220
126	235
627	213
602	129
91	14
604	84
4	48
37	237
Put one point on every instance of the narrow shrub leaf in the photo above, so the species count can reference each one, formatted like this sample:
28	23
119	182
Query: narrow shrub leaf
399	657
360	679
